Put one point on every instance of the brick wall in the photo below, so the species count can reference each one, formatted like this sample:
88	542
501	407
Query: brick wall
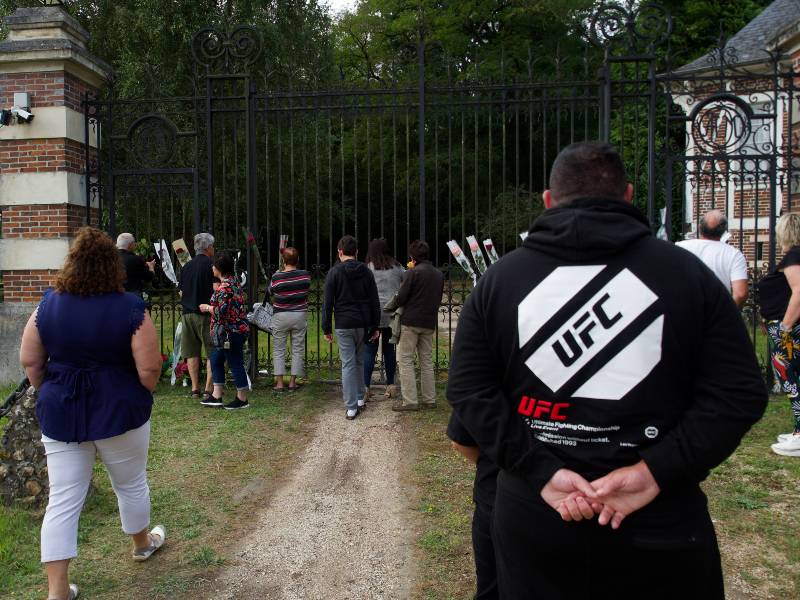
48	88
38	221
37	156
27	286
750	199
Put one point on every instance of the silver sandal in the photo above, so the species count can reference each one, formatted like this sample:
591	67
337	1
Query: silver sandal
157	537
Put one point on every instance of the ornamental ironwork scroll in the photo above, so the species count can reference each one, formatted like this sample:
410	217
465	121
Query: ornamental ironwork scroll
227	52
633	23
721	124
152	139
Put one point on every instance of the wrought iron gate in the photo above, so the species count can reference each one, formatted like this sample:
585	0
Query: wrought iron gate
447	159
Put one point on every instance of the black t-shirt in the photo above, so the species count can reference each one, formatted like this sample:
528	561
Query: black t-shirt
483	491
136	272
197	284
774	291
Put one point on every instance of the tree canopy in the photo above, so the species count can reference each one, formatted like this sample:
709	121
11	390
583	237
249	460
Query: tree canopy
148	41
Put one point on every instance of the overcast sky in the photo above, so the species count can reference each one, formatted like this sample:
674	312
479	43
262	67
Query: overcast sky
339	5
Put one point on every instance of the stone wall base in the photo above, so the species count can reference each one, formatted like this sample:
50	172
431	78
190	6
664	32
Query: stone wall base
23	465
13	316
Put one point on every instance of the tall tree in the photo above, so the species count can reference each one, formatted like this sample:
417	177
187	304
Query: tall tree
475	38
148	42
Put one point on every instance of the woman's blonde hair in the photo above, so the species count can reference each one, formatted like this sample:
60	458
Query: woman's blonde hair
787	231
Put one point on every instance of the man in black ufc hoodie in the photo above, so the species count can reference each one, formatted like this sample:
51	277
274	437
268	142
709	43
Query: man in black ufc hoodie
606	373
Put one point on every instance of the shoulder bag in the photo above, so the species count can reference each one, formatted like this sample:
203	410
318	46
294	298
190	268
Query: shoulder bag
261	315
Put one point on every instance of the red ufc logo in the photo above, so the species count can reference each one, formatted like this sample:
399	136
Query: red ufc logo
542	409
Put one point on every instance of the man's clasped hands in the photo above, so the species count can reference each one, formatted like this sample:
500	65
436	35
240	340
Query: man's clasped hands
612	497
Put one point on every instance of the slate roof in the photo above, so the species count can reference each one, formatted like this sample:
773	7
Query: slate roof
751	41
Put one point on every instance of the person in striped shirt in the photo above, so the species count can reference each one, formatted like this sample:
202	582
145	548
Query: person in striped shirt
289	291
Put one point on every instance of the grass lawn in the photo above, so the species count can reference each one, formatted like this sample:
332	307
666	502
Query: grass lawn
444	509
209	471
754	498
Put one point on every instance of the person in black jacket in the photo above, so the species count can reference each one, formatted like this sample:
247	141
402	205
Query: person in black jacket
419	296
351	299
137	270
606	373
196	286
483	493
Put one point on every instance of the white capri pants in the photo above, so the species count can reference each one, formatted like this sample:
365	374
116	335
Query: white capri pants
69	466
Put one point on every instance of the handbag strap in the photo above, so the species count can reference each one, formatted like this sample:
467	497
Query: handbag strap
266	291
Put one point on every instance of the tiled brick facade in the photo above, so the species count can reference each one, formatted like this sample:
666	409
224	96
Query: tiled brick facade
24	226
38	221
48	88
37	156
27	286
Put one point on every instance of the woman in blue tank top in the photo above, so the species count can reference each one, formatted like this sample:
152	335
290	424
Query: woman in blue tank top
91	351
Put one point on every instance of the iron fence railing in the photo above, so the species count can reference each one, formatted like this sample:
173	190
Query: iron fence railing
321	359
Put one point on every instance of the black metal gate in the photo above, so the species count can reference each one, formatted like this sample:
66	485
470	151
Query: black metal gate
440	160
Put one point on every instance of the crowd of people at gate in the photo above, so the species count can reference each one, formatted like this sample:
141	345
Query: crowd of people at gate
597	376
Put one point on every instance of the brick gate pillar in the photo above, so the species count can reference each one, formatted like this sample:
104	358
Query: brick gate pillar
42	181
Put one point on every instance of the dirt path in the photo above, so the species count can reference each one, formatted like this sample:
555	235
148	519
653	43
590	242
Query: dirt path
338	528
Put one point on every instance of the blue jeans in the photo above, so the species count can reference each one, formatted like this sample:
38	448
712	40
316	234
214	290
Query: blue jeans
235	360
389	357
351	351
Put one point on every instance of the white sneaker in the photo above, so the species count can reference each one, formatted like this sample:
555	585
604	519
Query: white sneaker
790	447
351	414
157	536
785	436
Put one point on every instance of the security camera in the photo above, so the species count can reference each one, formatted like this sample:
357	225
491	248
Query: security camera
23	116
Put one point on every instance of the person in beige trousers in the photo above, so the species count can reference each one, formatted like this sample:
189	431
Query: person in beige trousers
420	296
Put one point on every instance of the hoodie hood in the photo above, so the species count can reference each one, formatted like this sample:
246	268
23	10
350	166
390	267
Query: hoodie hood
355	269
587	228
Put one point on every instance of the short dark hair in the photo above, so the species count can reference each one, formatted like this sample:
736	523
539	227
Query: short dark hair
419	250
224	263
348	245
587	169
290	256
715	232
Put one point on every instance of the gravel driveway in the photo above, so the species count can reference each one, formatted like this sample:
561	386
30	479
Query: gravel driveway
338	528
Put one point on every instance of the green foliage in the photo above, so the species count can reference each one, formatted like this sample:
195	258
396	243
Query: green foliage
464	40
148	42
143	248
697	24
512	213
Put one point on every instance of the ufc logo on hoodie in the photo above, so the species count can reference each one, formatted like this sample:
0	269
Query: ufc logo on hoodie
598	323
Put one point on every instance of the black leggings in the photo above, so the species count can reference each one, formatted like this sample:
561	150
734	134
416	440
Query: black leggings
667	556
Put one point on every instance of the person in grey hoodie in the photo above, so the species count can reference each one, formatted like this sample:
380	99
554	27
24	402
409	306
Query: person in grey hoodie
351	299
388	275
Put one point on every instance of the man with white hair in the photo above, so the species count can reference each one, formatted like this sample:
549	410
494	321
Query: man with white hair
728	263
137	271
196	287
